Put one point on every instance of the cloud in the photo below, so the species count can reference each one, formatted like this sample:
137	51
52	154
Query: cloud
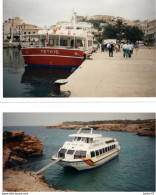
49	12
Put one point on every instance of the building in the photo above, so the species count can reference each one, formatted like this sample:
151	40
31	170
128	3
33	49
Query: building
151	30
12	28
99	17
142	25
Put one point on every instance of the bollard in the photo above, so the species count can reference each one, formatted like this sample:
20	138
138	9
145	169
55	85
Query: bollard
57	91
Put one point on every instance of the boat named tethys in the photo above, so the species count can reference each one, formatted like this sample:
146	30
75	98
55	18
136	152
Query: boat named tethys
87	150
65	46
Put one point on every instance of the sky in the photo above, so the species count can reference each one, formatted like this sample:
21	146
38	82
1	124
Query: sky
42	119
48	12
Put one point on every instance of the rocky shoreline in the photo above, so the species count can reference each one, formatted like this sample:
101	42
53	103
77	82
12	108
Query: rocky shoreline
17	148
142	129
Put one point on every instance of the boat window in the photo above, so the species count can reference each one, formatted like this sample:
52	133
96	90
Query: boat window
100	151
89	43
72	43
97	152
83	139
83	154
108	148
79	138
70	151
103	150
57	42
51	42
79	154
62	153
78	43
114	146
63	42
92	154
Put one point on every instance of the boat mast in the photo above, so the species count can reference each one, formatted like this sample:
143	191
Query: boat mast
74	24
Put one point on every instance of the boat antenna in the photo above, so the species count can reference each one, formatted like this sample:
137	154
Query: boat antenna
74	19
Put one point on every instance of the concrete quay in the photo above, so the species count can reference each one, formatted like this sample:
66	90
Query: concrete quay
116	76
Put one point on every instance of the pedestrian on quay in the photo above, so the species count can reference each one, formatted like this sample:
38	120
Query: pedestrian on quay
111	48
136	47
108	45
102	47
125	50
130	48
117	48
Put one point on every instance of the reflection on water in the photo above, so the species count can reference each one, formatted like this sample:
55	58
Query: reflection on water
23	81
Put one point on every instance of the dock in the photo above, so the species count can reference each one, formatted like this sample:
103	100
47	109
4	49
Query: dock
116	76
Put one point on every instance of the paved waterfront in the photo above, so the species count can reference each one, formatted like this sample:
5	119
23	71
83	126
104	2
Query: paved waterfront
105	76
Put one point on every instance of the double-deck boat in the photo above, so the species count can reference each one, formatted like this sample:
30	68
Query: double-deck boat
65	46
87	150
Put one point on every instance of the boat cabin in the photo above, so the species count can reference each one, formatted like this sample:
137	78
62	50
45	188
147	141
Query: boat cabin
61	40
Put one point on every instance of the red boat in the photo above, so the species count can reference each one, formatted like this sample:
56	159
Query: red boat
66	46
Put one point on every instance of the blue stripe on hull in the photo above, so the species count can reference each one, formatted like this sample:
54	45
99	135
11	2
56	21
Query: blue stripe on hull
51	66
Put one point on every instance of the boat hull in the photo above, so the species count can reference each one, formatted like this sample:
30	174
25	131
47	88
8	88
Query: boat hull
86	163
57	58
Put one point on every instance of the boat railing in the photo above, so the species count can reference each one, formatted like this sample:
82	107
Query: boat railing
85	128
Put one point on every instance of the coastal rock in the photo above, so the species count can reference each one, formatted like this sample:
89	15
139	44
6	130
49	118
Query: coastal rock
17	147
24	181
146	128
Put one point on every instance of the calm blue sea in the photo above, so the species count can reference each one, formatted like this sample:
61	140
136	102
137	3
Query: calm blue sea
133	170
20	80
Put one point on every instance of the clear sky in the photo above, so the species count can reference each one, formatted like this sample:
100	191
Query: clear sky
32	119
48	12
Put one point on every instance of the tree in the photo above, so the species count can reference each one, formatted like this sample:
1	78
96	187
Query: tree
119	26
110	32
136	34
128	33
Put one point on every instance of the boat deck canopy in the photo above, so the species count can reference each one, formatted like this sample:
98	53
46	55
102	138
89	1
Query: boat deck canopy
86	135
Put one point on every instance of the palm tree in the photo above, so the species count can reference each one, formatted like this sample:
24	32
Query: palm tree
119	25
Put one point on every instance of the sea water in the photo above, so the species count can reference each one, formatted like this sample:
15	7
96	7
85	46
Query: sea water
20	80
133	170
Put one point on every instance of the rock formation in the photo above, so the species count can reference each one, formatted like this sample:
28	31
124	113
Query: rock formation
140	128
24	181
17	147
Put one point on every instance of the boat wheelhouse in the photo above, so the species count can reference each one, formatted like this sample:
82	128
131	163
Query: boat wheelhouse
65	46
87	150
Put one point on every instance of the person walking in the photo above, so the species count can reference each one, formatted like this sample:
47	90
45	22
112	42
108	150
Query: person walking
130	48
125	50
136	47
103	47
111	48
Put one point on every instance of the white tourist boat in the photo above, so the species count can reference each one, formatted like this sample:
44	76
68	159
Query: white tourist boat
87	150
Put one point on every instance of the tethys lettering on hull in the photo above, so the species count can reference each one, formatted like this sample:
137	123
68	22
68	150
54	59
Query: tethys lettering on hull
87	150
49	51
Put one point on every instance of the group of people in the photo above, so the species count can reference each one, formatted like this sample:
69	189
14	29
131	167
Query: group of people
126	48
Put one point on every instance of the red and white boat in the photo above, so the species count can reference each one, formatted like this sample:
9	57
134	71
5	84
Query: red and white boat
66	46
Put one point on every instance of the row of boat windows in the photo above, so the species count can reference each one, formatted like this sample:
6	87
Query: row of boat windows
65	42
77	155
82	154
101	151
